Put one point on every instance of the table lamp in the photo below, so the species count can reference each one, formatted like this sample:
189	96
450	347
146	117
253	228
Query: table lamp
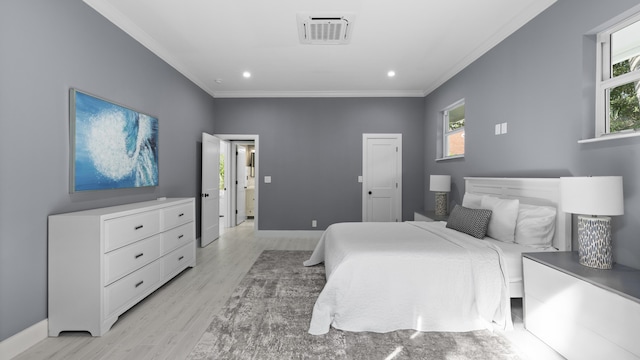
441	184
591	198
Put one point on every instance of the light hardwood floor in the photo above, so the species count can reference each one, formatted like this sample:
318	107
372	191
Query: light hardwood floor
169	322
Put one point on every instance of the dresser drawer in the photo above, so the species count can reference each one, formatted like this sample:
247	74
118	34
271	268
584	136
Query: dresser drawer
177	215
178	260
127	259
131	287
176	237
127	229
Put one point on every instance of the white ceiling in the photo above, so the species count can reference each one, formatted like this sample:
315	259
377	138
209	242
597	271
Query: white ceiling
212	42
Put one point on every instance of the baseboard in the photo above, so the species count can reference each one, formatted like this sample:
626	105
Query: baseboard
290	234
23	340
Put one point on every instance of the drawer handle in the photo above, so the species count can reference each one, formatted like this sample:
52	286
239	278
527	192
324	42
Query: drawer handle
137	256
180	258
181	214
139	227
140	283
180	237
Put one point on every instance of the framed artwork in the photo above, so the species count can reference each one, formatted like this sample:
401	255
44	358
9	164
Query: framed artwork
112	146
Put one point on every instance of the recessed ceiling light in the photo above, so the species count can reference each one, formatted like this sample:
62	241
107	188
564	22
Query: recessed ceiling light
218	81
246	74
391	73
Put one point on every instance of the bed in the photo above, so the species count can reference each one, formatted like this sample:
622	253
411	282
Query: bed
428	276
529	191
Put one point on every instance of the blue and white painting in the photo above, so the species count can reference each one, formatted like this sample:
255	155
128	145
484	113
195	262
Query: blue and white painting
114	148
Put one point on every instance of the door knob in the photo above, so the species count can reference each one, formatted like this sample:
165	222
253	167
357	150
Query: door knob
370	192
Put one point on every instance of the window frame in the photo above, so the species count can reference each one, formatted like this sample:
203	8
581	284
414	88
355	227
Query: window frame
605	82
446	133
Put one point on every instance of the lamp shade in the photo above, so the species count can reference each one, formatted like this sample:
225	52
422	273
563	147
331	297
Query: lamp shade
594	195
440	183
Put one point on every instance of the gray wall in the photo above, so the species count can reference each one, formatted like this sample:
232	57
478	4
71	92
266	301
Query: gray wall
46	47
312	148
540	81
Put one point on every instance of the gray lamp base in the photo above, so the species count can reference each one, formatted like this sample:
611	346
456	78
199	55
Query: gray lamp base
441	203
594	242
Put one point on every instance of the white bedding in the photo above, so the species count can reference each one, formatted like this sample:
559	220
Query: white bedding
384	277
512	253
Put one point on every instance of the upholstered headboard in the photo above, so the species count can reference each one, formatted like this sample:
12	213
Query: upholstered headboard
534	191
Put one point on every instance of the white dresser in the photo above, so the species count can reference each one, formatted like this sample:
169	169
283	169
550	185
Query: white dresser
582	313
104	261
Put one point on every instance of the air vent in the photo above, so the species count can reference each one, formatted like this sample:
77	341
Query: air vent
325	30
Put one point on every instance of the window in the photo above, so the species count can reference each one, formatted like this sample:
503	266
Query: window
618	81
453	130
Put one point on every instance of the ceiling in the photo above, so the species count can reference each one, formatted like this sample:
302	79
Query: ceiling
212	42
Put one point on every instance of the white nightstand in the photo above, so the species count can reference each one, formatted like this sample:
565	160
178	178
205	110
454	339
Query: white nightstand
428	216
581	312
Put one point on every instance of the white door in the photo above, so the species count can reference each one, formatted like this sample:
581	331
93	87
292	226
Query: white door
382	177
210	195
241	183
225	204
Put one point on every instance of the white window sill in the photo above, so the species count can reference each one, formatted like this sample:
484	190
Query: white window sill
450	157
623	135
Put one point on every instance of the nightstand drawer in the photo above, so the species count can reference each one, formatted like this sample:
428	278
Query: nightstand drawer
577	318
419	216
544	282
429	216
568	337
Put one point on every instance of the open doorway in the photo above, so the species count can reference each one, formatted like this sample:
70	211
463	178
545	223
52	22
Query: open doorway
245	181
240	171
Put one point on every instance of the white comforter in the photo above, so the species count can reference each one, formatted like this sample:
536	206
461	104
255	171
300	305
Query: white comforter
384	277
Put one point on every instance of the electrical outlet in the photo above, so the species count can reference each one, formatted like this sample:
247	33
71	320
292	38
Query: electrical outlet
497	129
314	223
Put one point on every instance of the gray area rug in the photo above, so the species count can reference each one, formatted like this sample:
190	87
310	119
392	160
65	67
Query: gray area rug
268	315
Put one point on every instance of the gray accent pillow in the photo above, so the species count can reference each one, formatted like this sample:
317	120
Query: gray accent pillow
469	221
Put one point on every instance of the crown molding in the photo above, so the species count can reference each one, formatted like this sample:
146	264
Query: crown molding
317	94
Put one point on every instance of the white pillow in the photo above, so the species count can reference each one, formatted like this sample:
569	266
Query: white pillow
471	201
502	225
536	225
